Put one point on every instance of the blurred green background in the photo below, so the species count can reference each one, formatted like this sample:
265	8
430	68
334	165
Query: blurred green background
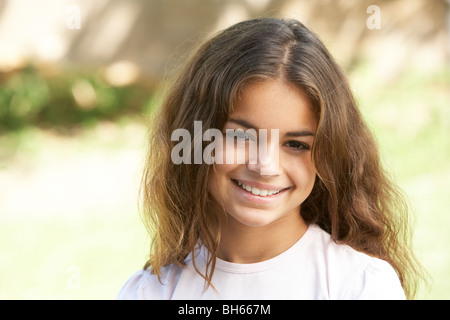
78	80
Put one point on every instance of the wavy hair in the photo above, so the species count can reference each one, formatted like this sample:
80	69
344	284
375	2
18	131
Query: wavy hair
353	198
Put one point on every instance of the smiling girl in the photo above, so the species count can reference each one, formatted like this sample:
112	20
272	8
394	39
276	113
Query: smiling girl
316	217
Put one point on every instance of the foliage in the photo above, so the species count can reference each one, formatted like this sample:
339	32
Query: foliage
65	100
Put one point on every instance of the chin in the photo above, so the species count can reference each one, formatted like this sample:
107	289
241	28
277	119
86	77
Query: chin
252	217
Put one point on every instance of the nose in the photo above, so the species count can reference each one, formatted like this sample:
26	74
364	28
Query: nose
265	161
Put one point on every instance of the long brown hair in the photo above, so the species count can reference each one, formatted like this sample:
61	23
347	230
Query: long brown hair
353	198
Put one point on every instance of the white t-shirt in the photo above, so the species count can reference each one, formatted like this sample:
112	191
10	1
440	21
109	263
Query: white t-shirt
315	267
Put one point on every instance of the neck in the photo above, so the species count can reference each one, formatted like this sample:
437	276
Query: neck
248	244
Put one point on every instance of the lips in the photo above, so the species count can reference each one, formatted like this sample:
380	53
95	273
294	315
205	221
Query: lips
258	189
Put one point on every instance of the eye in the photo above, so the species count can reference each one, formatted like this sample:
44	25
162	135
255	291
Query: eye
297	145
239	134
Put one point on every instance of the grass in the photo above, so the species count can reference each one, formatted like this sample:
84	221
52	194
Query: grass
70	228
68	203
411	120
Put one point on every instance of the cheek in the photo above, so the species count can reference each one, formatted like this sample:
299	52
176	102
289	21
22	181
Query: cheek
232	152
221	171
304	174
217	180
213	187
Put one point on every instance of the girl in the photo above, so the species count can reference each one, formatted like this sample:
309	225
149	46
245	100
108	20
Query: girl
315	217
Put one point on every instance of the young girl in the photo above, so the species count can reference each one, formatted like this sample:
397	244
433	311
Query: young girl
312	217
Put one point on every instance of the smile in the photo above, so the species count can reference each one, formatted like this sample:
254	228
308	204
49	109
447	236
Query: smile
257	191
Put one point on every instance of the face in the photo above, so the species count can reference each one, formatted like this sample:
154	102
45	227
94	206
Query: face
272	185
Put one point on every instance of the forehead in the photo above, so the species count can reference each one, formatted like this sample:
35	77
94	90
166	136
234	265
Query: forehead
275	104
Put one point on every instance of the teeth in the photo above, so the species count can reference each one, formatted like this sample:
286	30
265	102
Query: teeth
256	191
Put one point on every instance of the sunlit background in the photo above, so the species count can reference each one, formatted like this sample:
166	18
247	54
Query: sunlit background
79	78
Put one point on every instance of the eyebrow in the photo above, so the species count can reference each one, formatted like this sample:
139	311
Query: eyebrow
248	125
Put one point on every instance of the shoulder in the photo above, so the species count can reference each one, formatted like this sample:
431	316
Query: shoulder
377	281
356	275
144	285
